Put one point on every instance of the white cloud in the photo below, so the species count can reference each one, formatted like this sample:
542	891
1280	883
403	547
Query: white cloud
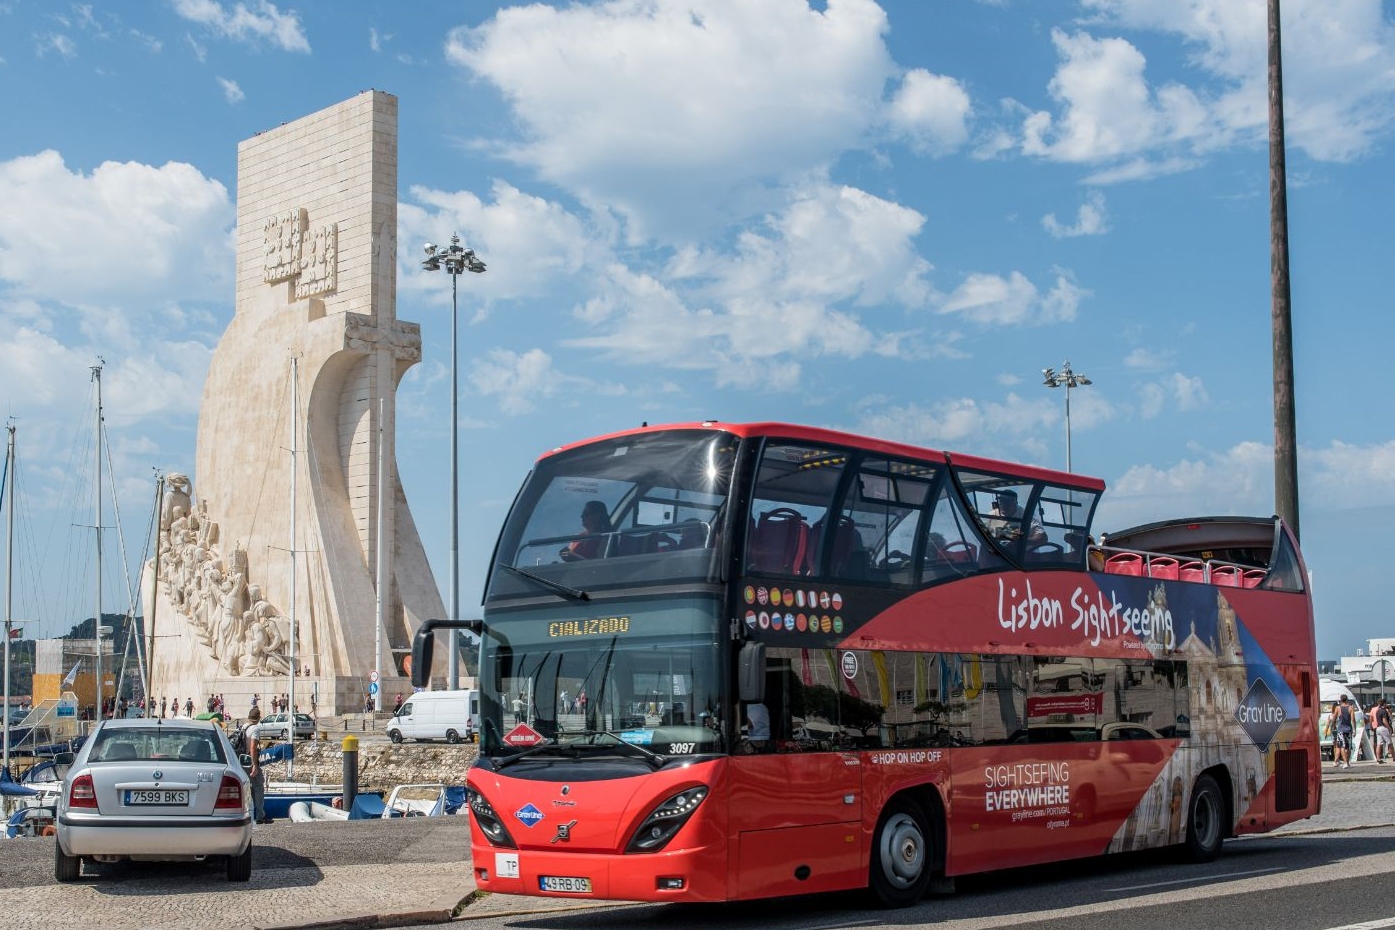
518	380
55	42
1339	79
991	299
1177	392
604	95
957	422
232	93
126	231
1108	109
932	111
1092	219
257	21
1149	359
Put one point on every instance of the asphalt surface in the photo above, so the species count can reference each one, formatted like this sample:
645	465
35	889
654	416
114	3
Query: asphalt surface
385	874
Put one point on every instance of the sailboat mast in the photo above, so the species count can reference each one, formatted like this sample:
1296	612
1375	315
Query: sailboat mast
295	433
9	496
97	497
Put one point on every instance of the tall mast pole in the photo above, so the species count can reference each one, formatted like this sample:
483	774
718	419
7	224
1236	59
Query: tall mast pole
295	435
155	596
380	564
97	497
1281	310
9	574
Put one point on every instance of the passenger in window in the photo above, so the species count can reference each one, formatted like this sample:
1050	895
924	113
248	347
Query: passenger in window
595	523
1006	521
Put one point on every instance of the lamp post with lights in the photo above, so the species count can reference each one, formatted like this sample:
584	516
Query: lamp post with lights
1067	379
455	259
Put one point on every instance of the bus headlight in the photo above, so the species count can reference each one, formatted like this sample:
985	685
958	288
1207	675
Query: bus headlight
665	820
489	822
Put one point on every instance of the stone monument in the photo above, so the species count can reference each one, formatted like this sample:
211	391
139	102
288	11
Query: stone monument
315	294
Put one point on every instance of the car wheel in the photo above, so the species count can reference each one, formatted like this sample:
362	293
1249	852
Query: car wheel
452	736
395	735
240	867
65	868
1205	827
900	867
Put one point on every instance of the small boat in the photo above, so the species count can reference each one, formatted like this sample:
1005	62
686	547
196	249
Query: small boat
31	821
311	811
418	800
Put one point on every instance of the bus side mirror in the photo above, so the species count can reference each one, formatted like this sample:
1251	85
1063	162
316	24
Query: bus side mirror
750	672
424	646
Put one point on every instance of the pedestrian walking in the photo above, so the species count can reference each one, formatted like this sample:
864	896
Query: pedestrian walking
1343	723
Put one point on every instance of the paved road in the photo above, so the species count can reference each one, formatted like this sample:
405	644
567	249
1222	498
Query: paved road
401	872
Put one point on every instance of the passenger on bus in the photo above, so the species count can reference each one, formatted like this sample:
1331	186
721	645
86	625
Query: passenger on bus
595	522
1006	521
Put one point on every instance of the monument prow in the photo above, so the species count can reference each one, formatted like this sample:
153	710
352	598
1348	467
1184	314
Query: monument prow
316	279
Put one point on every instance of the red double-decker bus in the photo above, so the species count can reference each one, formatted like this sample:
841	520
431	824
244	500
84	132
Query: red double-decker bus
725	661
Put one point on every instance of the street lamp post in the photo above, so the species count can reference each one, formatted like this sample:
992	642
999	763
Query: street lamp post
1067	379
454	259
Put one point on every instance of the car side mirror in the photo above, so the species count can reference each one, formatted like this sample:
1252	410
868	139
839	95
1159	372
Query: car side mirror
246	761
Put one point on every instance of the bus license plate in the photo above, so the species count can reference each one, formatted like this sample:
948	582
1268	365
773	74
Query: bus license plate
162	796
564	884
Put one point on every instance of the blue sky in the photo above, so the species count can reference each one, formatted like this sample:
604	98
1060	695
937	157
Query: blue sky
884	218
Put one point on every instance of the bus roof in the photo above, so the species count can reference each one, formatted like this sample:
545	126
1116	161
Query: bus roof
834	437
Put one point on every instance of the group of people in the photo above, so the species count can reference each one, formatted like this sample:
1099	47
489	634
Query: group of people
1350	728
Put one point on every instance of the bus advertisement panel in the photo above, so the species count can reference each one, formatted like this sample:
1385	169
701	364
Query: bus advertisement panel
726	661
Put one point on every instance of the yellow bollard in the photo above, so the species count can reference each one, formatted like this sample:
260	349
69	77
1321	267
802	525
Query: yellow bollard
350	771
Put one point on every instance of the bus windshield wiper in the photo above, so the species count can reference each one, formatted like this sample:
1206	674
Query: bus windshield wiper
506	761
565	590
657	760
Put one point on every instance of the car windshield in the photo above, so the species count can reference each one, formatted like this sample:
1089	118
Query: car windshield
150	744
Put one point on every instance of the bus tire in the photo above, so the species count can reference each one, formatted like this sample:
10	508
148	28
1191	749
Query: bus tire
900	868
1205	821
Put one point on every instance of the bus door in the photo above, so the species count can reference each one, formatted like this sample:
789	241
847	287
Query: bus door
795	803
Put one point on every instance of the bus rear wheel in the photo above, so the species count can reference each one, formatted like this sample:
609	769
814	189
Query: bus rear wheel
1205	820
900	867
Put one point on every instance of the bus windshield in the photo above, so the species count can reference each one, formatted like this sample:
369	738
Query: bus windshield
585	689
629	510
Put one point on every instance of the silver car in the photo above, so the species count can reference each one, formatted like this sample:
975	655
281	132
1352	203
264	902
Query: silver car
155	789
278	727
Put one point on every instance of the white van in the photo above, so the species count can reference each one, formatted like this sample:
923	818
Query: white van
449	715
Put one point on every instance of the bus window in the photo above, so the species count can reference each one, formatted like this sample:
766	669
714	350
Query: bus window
954	544
880	520
794	490
1065	701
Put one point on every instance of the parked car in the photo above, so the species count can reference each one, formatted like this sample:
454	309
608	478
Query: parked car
278	726
154	790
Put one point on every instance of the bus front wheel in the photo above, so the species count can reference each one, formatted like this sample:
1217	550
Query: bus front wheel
1205	826
900	867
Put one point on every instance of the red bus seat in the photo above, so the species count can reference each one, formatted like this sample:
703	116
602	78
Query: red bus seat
1227	576
1254	576
849	558
778	542
1191	571
1124	563
1162	566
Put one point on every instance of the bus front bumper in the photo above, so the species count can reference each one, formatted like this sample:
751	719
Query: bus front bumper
685	874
